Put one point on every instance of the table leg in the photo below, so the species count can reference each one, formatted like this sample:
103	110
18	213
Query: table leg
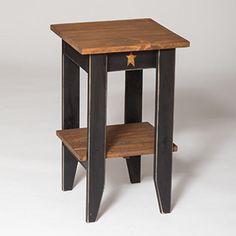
97	96
70	116
164	127
133	113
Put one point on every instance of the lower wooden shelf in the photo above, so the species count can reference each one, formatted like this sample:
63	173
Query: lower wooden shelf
124	140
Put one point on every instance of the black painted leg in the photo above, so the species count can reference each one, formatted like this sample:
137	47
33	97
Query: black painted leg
70	116
133	113
69	165
97	86
164	127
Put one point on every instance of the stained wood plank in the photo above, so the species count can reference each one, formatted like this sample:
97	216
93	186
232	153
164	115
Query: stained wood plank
118	36
125	140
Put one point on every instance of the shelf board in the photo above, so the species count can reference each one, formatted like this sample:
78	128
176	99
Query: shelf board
123	140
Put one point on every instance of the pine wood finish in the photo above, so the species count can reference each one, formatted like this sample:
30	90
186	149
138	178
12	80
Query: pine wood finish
125	140
118	36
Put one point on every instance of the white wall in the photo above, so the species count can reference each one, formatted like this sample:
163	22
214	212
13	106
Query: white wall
209	25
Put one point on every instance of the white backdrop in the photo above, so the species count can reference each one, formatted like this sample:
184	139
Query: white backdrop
209	25
31	201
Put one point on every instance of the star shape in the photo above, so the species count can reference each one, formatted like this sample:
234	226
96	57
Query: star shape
131	59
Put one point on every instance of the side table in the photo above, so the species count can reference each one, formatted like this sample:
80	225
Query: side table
98	48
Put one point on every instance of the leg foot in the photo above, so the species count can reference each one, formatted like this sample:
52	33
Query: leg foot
69	166
134	168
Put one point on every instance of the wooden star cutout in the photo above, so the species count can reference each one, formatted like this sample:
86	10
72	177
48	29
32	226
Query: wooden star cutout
131	59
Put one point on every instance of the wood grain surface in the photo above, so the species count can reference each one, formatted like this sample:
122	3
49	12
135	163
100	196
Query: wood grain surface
125	140
118	36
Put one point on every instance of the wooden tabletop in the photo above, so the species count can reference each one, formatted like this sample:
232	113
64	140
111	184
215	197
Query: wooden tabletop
118	36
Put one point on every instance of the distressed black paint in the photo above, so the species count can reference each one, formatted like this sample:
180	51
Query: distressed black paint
70	116
97	86
164	127
133	113
118	61
76	57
